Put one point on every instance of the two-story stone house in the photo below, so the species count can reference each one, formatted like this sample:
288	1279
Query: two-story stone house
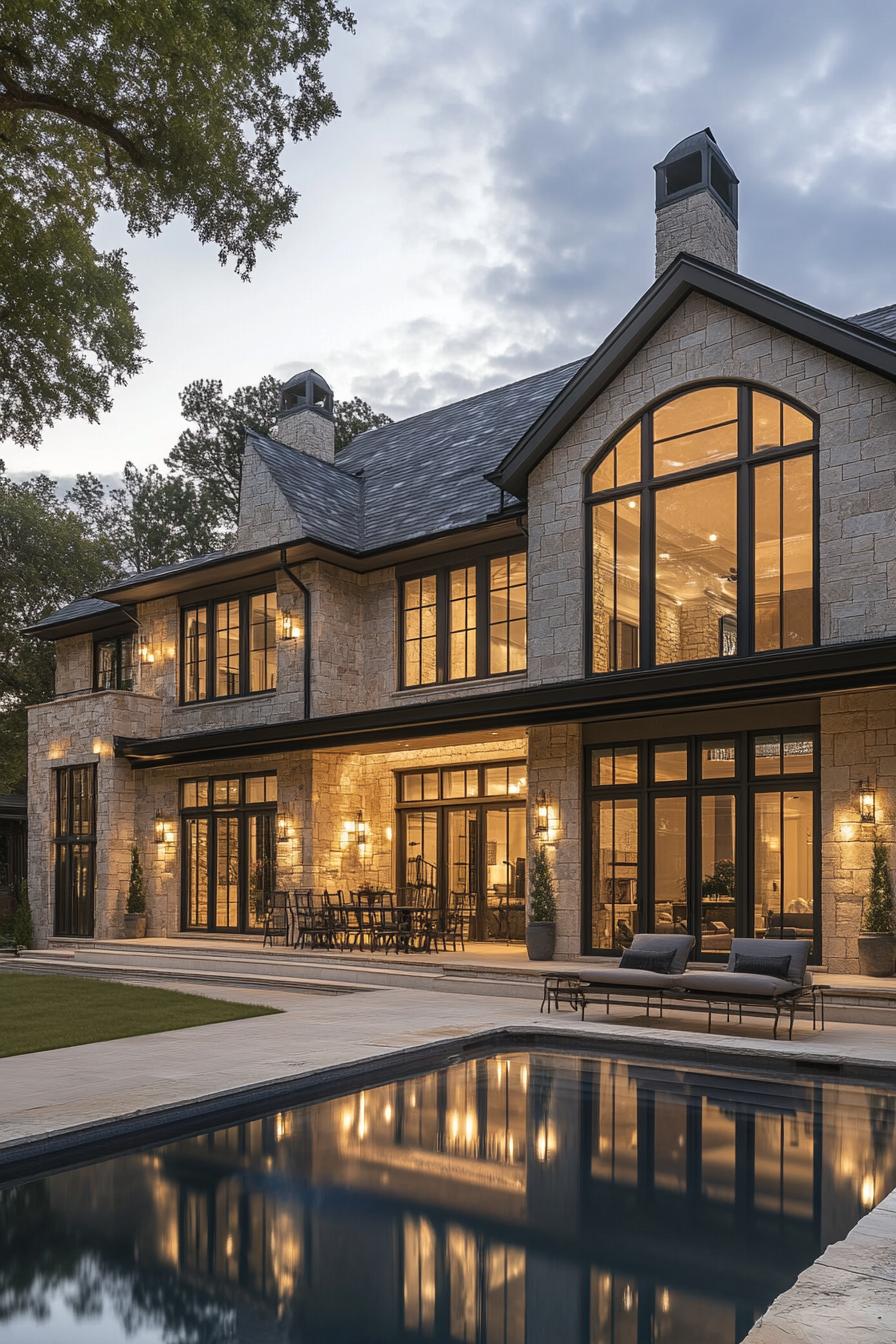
641	609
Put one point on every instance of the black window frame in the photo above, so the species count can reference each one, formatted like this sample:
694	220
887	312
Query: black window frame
441	570
742	465
243	810
66	839
745	784
209	605
119	643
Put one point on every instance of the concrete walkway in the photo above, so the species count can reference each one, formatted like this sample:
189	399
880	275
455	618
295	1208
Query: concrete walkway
48	1099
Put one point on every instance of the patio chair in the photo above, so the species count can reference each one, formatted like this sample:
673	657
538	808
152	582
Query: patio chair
276	918
458	922
760	971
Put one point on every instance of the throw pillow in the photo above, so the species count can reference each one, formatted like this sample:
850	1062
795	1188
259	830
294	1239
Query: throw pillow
779	967
660	962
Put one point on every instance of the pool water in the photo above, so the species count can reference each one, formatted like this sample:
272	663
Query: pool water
510	1199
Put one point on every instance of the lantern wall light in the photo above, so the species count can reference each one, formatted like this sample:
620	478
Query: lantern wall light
290	626
542	816
867	802
164	830
282	829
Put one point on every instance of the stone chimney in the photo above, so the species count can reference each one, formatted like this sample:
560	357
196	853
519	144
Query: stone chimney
305	419
696	203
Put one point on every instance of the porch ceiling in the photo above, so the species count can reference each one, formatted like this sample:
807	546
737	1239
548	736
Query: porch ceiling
745	681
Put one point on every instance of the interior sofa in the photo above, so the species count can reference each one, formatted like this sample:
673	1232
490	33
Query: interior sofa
760	971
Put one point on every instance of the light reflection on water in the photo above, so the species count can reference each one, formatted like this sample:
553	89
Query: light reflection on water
504	1200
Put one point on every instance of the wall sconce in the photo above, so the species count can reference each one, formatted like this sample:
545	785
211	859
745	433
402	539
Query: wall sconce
144	653
866	802
164	830
542	816
290	626
282	829
357	830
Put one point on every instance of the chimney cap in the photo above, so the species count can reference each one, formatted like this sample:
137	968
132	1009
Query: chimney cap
306	391
696	164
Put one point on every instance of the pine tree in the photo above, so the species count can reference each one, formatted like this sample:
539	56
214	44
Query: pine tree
23	926
542	902
877	910
136	892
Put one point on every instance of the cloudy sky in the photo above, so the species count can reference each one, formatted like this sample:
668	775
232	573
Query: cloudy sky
483	209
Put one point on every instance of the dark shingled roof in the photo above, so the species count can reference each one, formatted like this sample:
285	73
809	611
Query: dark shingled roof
76	611
328	500
881	320
426	475
160	571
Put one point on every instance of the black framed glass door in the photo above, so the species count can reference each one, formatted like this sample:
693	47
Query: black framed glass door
714	836
74	845
228	830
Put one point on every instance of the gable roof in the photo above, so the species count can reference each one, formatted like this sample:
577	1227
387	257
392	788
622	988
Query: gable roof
879	319
854	341
315	490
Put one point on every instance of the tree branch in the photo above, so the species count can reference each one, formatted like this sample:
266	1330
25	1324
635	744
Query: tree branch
15	98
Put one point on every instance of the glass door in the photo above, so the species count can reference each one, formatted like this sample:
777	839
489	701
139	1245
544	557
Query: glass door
462	877
670	863
261	864
614	875
502	905
196	869
784	863
717	901
419	867
227	872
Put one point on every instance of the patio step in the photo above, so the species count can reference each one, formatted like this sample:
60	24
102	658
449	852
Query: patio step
246	963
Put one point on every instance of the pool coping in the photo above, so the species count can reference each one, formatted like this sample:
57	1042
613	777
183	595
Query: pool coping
23	1158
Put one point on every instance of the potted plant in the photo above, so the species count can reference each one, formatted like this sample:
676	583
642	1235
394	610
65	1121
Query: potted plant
135	913
877	940
541	930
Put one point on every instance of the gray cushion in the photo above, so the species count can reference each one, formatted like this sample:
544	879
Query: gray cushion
680	944
614	977
729	982
768	948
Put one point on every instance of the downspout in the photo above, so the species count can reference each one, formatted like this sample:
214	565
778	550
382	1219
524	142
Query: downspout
306	598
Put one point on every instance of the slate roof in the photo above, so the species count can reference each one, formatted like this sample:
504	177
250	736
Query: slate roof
418	477
426	474
75	611
327	499
882	320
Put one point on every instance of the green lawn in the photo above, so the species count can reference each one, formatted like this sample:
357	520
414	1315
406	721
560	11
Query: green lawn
44	1012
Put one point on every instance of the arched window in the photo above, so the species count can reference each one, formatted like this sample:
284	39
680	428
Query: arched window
702	531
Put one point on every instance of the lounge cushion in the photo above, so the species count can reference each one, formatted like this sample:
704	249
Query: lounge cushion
797	949
654	960
680	944
728	982
614	977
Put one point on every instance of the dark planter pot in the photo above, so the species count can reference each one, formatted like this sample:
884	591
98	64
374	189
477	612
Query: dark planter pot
540	940
877	953
135	926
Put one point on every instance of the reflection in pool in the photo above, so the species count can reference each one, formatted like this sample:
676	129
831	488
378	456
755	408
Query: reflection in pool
530	1197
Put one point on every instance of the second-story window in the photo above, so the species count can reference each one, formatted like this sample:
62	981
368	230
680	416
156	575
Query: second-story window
703	531
228	647
459	622
113	664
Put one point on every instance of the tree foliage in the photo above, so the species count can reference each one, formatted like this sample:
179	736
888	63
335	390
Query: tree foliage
136	890
877	910
356	417
152	111
48	557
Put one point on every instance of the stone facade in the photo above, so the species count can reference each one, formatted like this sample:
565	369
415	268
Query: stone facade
309	431
696	224
354	650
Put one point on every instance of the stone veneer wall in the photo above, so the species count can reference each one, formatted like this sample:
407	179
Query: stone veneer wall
858	740
80	731
555	765
704	339
695	224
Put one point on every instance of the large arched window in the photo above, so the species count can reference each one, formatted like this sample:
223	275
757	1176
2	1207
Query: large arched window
702	531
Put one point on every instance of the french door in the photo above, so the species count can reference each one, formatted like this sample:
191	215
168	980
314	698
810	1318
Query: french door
229	861
74	845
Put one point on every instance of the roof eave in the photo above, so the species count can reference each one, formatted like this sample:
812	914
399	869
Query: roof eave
686	275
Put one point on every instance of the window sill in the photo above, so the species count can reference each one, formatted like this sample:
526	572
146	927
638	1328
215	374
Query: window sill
227	700
441	688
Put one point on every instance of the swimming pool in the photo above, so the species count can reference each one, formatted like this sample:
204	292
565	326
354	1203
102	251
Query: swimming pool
509	1199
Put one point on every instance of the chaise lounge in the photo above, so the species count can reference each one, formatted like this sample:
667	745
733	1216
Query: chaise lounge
768	972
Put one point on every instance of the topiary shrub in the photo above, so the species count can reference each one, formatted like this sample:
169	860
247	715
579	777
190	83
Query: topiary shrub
877	907
542	901
136	891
